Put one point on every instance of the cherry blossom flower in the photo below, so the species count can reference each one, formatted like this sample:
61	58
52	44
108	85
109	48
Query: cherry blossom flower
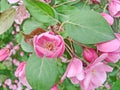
49	45
95	74
111	47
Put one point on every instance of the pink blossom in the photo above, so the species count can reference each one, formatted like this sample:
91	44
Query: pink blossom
46	1
95	74
108	86
49	45
4	53
16	47
55	87
20	73
74	71
8	82
108	18
114	8
89	54
13	1
111	47
21	14
13	87
21	53
16	62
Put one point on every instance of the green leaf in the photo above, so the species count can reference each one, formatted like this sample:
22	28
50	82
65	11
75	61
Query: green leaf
44	72
63	12
78	49
6	19
4	5
88	27
116	85
41	11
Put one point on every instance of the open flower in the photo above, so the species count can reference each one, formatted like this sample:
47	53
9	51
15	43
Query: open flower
74	71
114	8
49	45
108	18
111	47
4	53
95	74
20	73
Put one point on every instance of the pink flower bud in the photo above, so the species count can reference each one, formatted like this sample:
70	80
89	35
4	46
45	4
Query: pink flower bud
49	45
89	54
55	87
16	62
21	53
114	8
4	53
16	47
20	73
8	82
108	18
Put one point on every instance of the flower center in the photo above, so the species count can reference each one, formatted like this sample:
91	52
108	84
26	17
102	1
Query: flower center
93	72
49	46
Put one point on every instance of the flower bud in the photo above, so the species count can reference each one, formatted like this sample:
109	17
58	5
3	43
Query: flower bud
89	54
4	53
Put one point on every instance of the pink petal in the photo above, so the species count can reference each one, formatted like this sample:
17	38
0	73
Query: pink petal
98	79
117	36
100	58
108	18
74	80
109	46
113	57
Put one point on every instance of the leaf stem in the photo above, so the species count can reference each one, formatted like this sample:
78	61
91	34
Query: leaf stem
80	44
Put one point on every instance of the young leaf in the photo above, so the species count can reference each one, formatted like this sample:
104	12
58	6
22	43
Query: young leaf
88	27
41	72
6	19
